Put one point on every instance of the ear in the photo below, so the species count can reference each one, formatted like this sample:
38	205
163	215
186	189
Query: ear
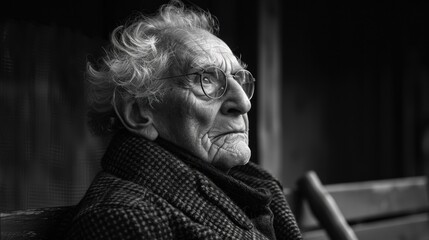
136	118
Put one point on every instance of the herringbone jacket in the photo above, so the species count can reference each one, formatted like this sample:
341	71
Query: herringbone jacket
147	192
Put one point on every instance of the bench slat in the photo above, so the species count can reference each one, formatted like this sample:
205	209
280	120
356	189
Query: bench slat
415	227
32	223
369	200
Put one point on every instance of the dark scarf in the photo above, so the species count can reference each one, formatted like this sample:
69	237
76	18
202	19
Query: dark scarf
254	202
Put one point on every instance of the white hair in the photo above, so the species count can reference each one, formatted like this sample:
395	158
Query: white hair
140	53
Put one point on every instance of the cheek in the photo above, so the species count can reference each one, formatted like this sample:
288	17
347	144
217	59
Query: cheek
180	116
182	113
204	116
197	113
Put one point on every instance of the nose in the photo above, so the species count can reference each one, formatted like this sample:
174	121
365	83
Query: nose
236	101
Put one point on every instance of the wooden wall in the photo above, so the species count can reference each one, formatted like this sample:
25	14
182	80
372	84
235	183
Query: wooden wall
354	91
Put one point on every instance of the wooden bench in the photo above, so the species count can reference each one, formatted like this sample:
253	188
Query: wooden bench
385	209
43	223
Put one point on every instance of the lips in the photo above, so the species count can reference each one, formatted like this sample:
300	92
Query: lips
229	132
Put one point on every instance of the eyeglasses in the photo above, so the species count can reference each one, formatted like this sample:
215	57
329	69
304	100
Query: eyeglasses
214	82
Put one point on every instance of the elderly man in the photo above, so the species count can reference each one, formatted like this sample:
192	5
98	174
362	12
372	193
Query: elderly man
176	99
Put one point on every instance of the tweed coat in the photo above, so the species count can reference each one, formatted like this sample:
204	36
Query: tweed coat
147	192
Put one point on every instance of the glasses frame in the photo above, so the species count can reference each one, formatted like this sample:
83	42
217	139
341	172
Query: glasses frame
202	71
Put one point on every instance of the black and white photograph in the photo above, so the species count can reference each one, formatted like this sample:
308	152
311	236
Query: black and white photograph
214	119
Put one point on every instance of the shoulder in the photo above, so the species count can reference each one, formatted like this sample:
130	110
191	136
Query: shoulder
118	222
107	189
114	208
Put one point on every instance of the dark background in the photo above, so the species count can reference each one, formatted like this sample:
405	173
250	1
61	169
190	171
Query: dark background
354	90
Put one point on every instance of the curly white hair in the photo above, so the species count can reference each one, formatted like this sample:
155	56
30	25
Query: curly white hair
141	52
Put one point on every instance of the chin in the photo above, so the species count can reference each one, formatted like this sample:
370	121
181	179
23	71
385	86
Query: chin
228	159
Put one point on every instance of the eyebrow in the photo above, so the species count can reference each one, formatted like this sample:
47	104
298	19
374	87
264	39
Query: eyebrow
201	63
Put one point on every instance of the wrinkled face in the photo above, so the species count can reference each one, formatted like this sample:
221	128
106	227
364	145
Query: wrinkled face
215	130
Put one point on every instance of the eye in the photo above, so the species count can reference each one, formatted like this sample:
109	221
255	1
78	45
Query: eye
209	83
206	79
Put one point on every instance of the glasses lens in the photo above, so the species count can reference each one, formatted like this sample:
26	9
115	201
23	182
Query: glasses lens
247	82
213	82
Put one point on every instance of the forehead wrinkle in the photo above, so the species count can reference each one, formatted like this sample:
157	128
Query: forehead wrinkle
224	60
208	50
198	55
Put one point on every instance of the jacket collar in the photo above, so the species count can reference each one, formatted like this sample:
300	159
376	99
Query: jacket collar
177	177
